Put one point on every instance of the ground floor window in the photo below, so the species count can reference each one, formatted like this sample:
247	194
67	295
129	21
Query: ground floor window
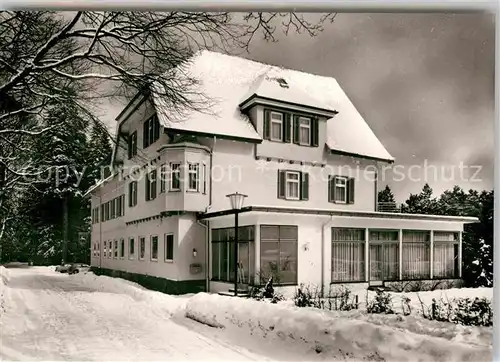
348	255
416	254
116	249
142	247
384	254
154	248
110	249
278	253
223	263
446	258
122	248
169	247
131	248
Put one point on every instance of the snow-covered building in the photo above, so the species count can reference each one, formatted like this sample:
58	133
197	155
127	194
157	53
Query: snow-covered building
306	159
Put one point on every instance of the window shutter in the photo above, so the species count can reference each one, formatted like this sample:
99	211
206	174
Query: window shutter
267	124
296	135
153	183
286	127
304	186
129	146
156	126
331	188
350	191
314	131
281	184
204	179
147	187
145	135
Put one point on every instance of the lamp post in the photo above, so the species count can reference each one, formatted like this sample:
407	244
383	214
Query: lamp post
236	199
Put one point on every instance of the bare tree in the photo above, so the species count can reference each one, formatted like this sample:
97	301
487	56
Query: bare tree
49	58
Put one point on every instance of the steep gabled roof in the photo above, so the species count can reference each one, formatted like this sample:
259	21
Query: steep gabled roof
227	80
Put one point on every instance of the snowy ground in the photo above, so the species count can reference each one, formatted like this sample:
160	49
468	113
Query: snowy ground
50	316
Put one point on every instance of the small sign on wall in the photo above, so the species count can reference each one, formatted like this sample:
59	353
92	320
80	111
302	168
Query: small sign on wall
195	268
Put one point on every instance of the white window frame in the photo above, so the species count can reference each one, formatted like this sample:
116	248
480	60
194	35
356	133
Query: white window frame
110	249
172	172
133	192
292	180
131	256
340	185
308	126
151	247
116	252
163	178
193	169
139	248
276	121
165	247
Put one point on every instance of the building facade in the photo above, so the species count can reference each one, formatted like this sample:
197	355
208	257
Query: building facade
306	160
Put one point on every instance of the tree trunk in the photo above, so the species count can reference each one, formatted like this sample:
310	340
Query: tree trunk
65	230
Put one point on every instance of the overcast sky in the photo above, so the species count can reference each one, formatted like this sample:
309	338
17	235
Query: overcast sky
423	82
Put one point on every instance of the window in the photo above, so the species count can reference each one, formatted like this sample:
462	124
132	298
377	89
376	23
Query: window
163	178
293	185
132	145
169	247
304	131
119	206
113	209
104	250
123	204
278	252
131	248
276	126
132	194
97	214
341	190
384	255
416	254
348	255
151	186
142	247
103	212
446	258
122	248
193	177
116	249
154	248
110	249
175	179
151	131
222	248
98	246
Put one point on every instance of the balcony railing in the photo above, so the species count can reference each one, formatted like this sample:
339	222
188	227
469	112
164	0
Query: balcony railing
388	207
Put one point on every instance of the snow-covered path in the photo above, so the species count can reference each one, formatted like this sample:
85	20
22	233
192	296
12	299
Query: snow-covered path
52	316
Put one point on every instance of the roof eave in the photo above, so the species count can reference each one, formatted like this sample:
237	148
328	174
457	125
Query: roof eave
255	98
368	157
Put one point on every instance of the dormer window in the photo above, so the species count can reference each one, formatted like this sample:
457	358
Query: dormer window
282	82
277	126
304	131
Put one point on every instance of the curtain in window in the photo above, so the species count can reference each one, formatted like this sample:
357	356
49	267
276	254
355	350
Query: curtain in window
348	254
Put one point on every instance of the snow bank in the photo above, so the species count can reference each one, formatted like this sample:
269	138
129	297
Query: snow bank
328	334
4	275
100	283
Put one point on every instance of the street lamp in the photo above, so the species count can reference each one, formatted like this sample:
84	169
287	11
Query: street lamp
236	199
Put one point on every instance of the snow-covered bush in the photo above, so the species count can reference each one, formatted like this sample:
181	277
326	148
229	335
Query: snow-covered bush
340	299
464	311
266	293
381	304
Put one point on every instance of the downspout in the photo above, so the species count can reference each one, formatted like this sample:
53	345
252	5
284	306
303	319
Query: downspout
206	225
323	241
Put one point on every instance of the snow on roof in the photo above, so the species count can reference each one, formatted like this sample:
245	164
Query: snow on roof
227	80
